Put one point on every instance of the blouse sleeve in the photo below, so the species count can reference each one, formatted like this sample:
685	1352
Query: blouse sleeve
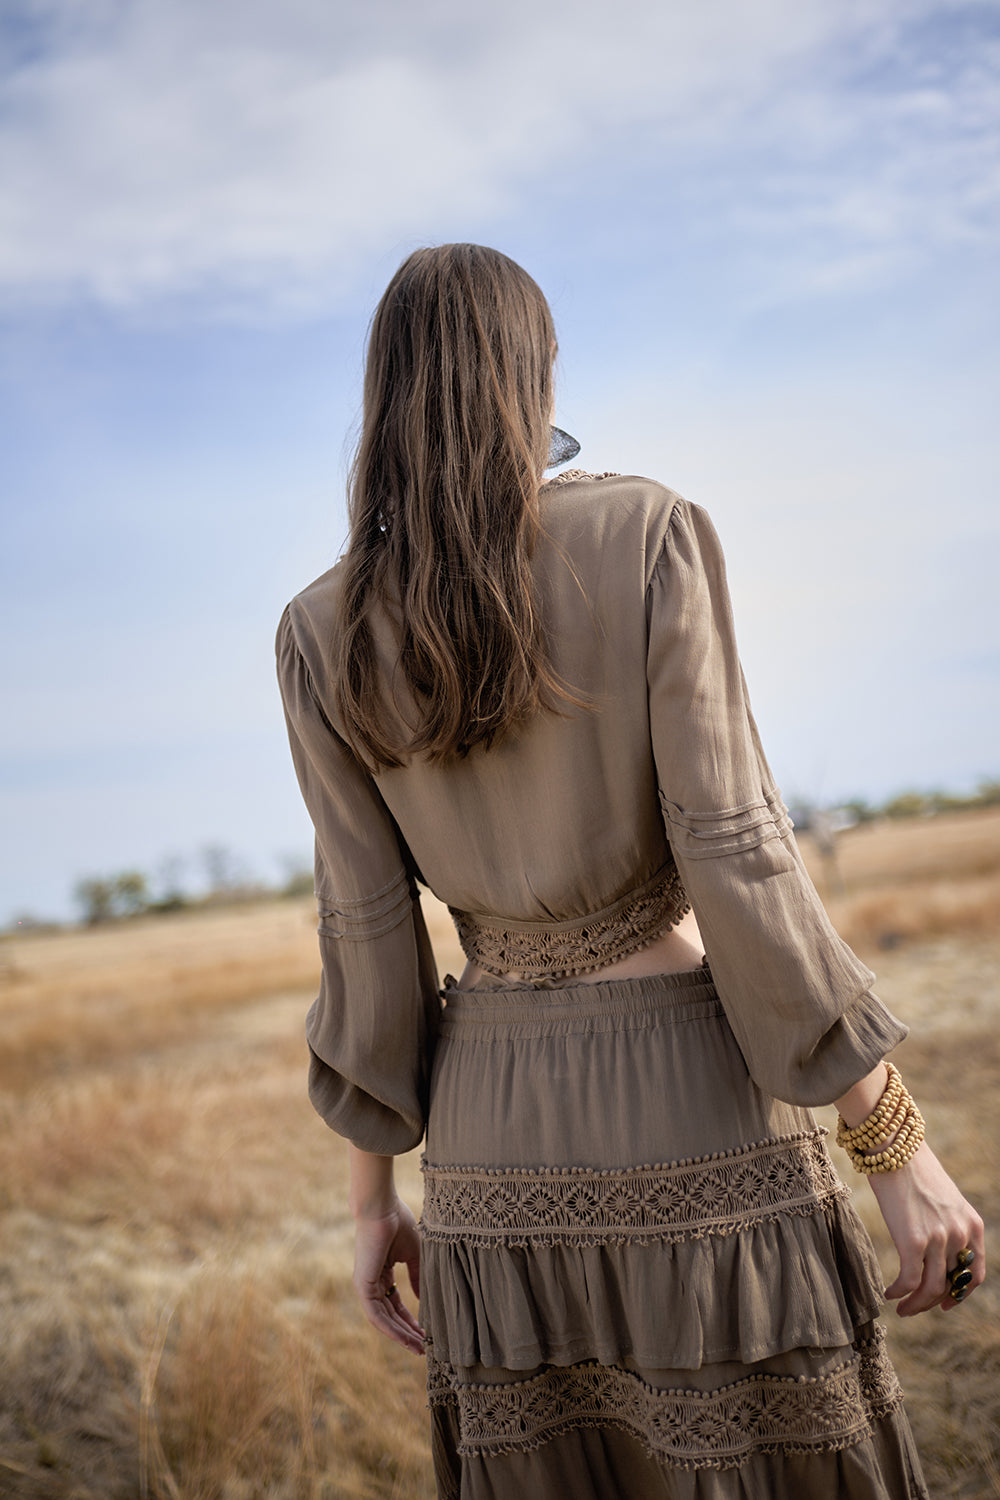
371	1028
798	1000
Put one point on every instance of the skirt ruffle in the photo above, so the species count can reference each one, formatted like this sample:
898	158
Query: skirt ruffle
800	1275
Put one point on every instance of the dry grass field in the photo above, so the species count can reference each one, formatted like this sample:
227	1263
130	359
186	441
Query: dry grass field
177	1321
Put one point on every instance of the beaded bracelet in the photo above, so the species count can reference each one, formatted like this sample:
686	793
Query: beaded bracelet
878	1125
895	1118
898	1154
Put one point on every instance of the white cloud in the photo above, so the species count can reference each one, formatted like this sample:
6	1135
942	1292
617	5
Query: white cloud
259	149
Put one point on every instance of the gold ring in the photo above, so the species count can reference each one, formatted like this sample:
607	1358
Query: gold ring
392	1289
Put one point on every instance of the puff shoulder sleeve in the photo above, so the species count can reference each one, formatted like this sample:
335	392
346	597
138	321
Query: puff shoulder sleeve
371	1028
797	998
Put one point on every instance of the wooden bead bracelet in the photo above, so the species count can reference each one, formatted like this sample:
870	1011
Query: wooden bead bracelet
895	1119
878	1125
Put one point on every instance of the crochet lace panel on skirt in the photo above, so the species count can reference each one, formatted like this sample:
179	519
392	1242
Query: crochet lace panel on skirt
689	1429
712	1195
537	950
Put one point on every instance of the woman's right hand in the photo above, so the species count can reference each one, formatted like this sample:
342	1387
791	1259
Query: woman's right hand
380	1242
930	1222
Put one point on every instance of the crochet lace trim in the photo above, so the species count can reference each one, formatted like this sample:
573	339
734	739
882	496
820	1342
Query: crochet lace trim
581	474
686	1200
538	950
688	1429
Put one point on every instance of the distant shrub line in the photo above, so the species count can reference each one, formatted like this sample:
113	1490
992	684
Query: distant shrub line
925	804
131	893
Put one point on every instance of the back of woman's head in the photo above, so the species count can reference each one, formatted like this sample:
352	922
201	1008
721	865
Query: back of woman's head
444	506
460	366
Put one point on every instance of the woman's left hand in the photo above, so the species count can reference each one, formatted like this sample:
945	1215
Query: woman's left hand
930	1223
379	1244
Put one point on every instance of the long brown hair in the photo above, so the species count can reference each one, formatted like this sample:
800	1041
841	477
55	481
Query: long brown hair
443	506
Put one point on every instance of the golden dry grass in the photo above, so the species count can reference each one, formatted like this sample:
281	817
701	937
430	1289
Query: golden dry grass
73	999
892	882
174	1245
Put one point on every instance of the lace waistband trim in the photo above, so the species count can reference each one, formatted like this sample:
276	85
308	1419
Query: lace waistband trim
714	1195
688	1429
537	950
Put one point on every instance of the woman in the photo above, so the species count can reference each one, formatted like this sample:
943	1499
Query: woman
639	1272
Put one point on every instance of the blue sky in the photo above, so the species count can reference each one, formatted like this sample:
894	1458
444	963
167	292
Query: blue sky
769	232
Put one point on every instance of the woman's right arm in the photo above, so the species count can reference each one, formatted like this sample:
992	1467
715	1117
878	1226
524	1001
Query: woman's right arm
372	1028
385	1234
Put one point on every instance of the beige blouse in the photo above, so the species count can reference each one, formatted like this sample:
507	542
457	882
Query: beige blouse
577	839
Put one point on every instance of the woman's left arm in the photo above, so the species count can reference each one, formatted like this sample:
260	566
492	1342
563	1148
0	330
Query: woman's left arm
798	1000
927	1218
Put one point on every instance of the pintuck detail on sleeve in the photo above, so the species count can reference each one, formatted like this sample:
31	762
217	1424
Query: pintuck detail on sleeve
372	1027
709	835
797	998
369	916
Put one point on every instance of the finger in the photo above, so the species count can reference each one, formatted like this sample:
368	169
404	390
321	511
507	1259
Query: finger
911	1269
403	1332
932	1285
977	1242
385	1310
413	1272
401	1310
381	1313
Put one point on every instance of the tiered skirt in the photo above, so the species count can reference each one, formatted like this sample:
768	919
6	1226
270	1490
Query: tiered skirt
641	1276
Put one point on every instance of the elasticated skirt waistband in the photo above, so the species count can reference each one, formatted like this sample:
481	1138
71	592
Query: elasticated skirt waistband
610	1004
602	1076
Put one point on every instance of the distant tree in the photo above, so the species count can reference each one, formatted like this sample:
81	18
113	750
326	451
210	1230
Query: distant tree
299	878
220	868
908	805
104	897
942	802
229	878
131	893
96	898
170	882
